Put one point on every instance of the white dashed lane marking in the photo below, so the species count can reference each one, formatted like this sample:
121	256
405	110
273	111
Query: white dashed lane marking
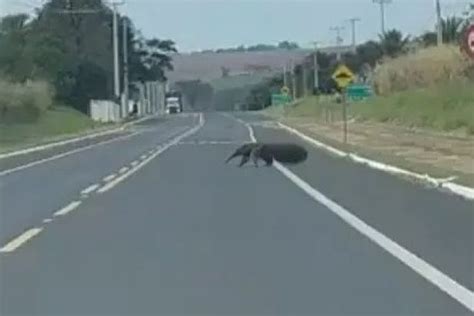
89	189
140	165
109	177
20	240
68	208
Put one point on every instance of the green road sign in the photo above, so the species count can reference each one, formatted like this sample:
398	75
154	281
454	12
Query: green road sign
280	99
357	91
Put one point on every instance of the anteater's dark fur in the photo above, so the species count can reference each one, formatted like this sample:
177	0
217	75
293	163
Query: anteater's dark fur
282	152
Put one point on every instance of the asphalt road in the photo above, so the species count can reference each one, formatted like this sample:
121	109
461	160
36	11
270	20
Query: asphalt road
182	233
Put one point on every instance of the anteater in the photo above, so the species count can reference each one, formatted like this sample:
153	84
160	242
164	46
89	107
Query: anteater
286	153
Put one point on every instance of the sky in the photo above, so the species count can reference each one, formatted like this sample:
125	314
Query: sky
209	24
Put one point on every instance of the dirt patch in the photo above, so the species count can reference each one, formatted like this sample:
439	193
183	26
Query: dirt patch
418	150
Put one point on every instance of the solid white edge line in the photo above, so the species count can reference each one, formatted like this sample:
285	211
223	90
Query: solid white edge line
427	271
461	190
20	240
313	141
90	189
423	268
68	208
109	177
62	155
173	142
56	144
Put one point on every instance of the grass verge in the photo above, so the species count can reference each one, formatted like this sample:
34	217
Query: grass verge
447	107
432	138
388	158
54	124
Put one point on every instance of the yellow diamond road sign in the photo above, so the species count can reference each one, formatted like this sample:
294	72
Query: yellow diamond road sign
343	76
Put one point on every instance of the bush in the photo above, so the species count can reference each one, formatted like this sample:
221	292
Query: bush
421	69
24	102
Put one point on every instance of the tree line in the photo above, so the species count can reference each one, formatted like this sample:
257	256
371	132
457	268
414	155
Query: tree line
70	45
362	60
283	45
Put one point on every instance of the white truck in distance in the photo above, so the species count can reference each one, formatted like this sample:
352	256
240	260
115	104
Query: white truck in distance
173	102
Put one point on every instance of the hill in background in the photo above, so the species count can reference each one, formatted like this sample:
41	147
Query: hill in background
208	66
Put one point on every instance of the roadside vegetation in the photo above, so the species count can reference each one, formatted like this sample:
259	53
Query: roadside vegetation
446	106
432	88
59	122
24	102
422	114
54	60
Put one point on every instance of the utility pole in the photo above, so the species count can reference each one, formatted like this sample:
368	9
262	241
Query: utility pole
305	79
439	24
116	57
353	25
285	76
316	67
293	80
382	4
125	63
338	30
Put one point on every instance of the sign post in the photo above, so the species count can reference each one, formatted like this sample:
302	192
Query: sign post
343	76
344	116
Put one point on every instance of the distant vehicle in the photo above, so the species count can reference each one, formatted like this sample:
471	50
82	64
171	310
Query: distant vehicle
174	102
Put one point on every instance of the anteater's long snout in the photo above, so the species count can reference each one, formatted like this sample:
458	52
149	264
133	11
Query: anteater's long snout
235	154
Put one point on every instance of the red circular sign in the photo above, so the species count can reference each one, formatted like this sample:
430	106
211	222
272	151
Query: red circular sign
469	41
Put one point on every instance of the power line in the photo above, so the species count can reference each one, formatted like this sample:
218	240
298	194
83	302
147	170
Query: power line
382	4
116	57
339	40
353	24
316	66
439	24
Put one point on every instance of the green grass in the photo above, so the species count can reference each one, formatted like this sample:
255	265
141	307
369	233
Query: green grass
444	107
447	107
55	123
316	108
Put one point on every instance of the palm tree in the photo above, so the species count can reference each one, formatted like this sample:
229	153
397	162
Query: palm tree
13	23
451	27
393	43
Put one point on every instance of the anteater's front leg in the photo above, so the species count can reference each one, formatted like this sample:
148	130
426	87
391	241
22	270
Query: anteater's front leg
244	160
256	155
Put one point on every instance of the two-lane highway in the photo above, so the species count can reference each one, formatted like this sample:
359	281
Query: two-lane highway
187	234
34	186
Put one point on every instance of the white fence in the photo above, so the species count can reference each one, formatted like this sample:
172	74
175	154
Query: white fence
149	100
104	111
